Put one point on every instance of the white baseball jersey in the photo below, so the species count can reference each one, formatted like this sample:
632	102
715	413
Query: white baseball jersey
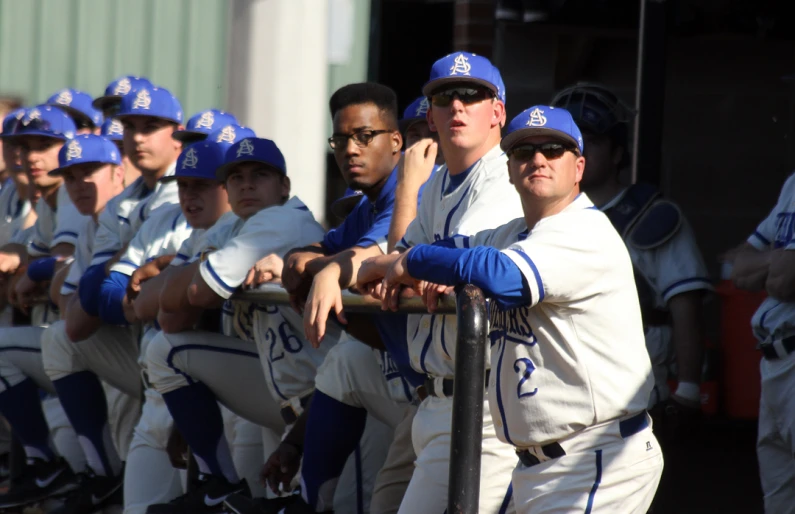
289	362
82	255
575	355
775	319
54	227
193	246
126	212
13	211
485	199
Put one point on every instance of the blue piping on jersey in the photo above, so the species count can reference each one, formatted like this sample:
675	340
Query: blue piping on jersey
273	380
123	219
441	336
452	211
506	501
64	233
217	278
500	406
596	482
39	248
19	349
764	315
426	345
685	281
176	220
537	275
108	253
177	349
359	486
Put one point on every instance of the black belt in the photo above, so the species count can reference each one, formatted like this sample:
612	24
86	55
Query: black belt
448	386
627	427
288	412
770	352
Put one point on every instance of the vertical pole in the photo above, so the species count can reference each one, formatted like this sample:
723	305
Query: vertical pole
467	424
650	92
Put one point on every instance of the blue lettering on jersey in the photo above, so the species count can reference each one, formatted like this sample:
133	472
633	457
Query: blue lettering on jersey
525	368
388	367
514	326
785	228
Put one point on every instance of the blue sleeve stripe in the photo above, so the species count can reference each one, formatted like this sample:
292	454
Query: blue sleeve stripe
761	237
217	278
404	243
39	248
537	275
69	286
703	280
65	233
182	256
128	263
122	218
176	220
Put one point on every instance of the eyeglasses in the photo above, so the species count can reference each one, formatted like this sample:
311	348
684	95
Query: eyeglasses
362	138
550	151
467	95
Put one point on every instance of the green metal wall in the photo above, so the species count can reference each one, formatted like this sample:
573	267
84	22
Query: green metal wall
179	44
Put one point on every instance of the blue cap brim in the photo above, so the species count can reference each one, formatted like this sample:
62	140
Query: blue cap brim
435	84
39	133
75	114
58	171
514	137
189	136
103	103
221	172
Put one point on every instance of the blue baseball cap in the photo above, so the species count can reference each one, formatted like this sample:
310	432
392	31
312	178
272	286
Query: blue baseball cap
119	88
47	121
230	134
201	124
416	111
464	67
345	204
542	120
199	160
11	121
87	148
77	104
113	129
156	102
252	149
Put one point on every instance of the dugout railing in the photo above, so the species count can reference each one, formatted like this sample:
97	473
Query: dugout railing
470	372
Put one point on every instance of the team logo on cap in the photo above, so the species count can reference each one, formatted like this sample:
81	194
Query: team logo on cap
227	135
460	65
116	128
537	118
142	100
206	120
191	159
34	114
245	148
122	87
422	108
64	97
73	150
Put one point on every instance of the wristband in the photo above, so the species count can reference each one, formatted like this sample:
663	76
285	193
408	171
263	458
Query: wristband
689	391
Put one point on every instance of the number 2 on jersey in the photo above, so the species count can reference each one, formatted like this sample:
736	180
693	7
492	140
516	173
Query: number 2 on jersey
525	368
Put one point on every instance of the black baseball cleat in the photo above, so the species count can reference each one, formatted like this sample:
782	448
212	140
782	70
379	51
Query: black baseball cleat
93	494
240	504
206	495
40	479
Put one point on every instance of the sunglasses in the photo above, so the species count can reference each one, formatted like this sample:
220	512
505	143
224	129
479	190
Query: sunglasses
467	95
550	151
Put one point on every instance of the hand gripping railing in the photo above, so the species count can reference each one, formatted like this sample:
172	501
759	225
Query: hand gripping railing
470	361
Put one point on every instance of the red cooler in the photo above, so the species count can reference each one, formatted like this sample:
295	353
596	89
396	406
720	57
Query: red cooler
741	382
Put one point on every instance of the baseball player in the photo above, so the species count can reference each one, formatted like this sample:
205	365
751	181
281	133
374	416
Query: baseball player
670	272
572	376
114	130
92	176
349	385
149	475
765	263
202	124
78	105
117	89
149	117
186	373
468	194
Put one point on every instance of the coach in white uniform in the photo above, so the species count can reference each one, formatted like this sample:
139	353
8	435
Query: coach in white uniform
571	377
